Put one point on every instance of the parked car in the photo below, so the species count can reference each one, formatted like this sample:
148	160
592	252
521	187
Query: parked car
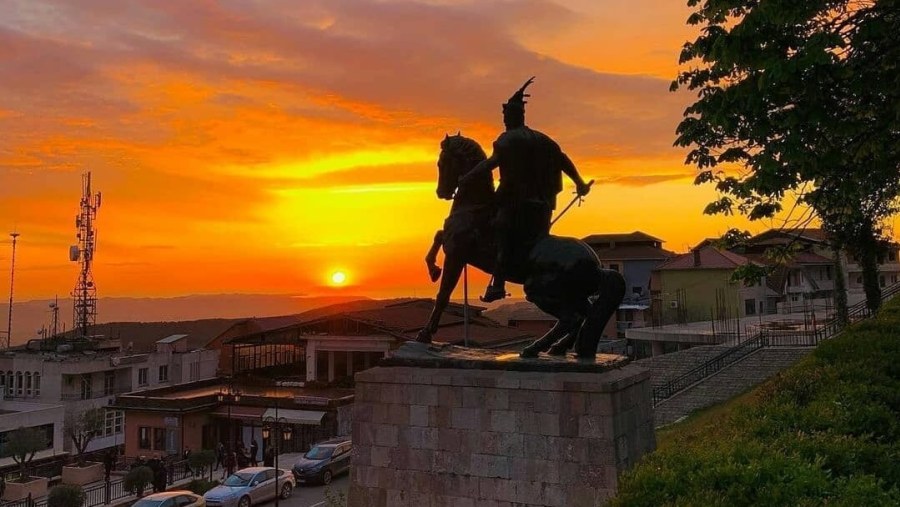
324	461
171	499
250	486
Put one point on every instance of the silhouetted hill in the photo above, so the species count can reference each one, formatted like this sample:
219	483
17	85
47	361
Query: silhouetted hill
30	316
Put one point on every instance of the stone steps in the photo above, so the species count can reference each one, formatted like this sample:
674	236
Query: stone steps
731	381
669	366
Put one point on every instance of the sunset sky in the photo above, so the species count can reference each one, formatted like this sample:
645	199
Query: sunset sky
260	146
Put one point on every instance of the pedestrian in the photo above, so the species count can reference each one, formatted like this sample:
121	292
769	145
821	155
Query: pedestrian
229	464
220	455
254	448
109	460
186	456
269	456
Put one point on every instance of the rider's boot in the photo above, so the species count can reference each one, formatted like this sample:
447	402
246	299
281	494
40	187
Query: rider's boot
495	291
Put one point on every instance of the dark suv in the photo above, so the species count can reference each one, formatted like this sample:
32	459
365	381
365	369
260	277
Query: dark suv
324	461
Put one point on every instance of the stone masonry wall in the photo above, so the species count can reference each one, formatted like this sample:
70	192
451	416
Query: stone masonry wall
435	437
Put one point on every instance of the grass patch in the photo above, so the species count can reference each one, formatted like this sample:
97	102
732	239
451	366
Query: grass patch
823	432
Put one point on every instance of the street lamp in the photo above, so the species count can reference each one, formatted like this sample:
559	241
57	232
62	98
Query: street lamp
230	395
274	423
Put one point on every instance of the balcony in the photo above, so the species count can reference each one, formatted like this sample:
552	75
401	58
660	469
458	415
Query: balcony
94	395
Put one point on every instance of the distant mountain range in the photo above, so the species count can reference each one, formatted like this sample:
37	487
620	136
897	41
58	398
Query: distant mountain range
30	316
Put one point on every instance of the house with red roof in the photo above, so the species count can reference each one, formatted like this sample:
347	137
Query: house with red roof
698	286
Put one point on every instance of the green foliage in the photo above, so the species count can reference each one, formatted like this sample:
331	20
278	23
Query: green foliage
797	101
137	479
200	486
65	495
81	427
23	444
826	431
202	460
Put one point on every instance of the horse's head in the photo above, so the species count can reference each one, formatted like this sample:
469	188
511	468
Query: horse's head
459	155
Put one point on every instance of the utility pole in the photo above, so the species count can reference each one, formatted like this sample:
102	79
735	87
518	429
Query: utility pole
12	277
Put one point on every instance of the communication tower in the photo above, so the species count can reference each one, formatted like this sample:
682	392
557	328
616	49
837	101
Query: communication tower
12	276
84	297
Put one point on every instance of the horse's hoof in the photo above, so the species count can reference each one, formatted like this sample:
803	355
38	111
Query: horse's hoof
528	353
434	273
423	337
557	351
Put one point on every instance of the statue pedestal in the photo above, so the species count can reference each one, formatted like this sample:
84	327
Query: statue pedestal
452	426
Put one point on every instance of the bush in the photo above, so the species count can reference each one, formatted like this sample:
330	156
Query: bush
201	461
65	495
200	486
137	479
825	431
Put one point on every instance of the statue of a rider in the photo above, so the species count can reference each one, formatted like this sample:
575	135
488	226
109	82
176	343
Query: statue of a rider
531	166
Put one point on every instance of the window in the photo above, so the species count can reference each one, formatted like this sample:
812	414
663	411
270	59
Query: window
893	278
164	373
143	437
828	272
881	281
859	280
46	431
195	371
750	307
9	382
142	376
892	256
113	422
37	383
18	383
27	383
762	307
109	383
86	388
159	439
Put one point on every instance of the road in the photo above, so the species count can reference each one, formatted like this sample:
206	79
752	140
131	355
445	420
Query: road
314	495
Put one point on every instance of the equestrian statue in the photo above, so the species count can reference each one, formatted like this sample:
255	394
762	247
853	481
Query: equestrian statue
507	233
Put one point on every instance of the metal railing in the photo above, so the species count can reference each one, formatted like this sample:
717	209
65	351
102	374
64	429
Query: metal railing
109	491
765	338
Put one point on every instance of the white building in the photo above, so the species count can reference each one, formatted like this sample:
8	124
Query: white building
46	418
84	375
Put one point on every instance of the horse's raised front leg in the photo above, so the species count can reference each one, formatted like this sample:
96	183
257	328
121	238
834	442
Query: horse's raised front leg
452	269
434	271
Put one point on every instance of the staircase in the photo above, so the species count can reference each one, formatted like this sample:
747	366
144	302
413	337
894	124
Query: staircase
666	367
730	381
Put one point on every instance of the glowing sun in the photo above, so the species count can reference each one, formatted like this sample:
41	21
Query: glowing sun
338	278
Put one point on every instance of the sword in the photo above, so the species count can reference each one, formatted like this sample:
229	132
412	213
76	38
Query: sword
577	199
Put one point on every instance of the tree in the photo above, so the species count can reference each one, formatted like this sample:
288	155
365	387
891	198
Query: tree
798	100
22	444
66	495
200	461
82	427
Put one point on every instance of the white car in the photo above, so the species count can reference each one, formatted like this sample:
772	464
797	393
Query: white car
250	486
171	499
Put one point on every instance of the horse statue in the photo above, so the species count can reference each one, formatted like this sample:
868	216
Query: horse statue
561	276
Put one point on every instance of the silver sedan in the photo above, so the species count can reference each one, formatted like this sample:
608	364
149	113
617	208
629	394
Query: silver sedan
250	486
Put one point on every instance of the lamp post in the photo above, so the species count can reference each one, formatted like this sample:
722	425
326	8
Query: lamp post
230	395
274	424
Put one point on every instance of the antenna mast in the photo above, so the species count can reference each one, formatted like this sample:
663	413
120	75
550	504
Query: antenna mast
12	276
85	294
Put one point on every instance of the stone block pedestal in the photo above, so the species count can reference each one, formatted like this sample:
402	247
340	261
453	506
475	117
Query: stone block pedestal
498	431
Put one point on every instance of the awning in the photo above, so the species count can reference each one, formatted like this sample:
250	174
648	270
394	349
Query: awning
295	416
254	413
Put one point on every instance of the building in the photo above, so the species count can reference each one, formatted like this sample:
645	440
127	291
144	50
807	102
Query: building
334	343
20	414
82	375
698	286
199	415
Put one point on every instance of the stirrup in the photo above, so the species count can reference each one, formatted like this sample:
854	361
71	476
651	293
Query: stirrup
493	293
